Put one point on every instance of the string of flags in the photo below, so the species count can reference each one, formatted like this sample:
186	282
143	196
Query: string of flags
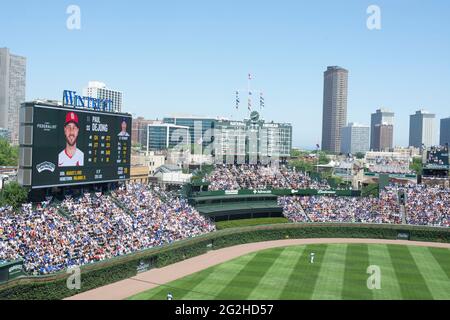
250	98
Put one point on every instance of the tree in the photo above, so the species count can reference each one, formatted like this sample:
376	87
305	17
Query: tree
14	195
323	159
295	153
301	165
137	145
360	155
416	165
371	189
9	155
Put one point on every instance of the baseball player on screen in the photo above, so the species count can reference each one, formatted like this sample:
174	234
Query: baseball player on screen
71	156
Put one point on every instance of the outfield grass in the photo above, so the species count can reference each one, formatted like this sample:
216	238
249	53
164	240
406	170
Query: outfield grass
338	272
249	222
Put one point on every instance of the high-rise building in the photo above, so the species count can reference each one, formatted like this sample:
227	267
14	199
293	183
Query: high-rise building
384	134
252	140
445	132
163	136
249	140
99	90
355	138
139	131
200	128
12	91
380	117
421	129
334	107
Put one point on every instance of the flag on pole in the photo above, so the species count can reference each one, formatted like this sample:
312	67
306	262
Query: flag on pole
237	100
249	76
318	146
261	101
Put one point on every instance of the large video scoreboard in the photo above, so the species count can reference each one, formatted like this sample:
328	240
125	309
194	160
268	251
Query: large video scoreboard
437	162
72	146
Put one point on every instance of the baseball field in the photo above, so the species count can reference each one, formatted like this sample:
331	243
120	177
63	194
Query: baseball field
339	271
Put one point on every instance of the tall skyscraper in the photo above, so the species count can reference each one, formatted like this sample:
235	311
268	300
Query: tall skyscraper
334	107
421	129
12	91
99	90
355	138
381	117
384	134
445	132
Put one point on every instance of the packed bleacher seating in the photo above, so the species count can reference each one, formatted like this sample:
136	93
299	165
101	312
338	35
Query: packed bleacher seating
137	217
384	209
292	209
236	177
428	205
98	228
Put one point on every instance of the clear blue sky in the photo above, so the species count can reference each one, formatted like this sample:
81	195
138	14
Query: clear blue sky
190	56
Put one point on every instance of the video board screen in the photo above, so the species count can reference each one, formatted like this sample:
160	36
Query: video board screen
437	158
74	146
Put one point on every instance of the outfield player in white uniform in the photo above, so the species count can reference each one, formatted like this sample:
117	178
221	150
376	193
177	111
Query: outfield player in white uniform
71	156
311	257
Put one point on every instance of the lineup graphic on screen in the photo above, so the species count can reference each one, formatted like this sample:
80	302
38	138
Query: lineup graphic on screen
73	146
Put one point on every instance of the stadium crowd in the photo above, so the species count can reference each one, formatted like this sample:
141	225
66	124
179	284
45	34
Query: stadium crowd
425	205
236	177
428	205
384	209
96	228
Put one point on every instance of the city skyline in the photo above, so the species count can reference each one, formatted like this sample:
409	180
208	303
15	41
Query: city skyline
192	58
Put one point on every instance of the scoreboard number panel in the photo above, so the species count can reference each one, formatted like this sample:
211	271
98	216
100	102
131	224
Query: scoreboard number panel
74	146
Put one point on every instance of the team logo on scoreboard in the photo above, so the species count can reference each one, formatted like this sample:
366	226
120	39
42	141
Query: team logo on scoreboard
45	166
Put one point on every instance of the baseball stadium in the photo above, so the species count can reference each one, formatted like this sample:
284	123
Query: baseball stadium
235	232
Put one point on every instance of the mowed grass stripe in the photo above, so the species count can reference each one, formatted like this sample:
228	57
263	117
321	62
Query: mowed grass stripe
178	288
331	276
410	279
219	279
273	282
355	275
302	280
390	288
442	256
248	278
184	287
435	278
